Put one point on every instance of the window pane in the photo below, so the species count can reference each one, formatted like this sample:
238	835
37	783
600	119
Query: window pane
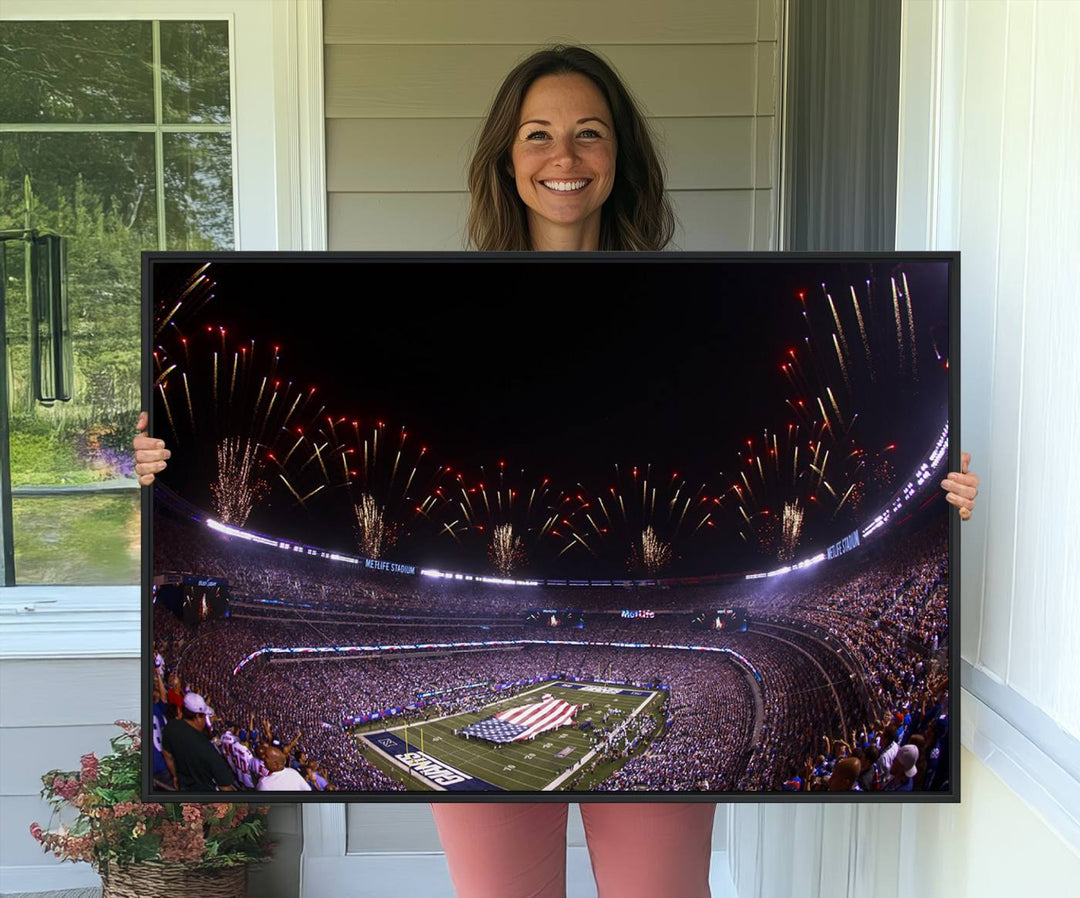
80	183
198	192
97	190
76	72
195	72
77	540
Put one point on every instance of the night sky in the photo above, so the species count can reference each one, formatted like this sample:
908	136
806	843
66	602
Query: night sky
559	366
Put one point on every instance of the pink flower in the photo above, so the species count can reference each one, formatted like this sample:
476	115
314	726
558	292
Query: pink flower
220	809
122	808
65	788
81	848
36	831
151	809
181	842
89	767
192	813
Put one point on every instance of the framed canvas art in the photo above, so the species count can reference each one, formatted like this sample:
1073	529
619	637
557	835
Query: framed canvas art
542	526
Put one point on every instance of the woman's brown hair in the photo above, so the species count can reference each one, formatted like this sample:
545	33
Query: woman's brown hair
637	214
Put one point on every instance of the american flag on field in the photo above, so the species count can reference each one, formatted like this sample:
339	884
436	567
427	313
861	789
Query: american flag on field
525	721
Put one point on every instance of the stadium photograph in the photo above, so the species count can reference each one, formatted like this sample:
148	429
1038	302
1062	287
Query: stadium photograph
441	527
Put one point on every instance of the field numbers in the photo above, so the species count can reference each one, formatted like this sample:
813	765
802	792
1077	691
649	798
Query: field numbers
530	756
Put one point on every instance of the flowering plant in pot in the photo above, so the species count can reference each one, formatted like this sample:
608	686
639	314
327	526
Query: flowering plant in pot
147	848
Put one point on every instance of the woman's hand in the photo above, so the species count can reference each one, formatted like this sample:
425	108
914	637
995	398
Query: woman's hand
962	488
150	454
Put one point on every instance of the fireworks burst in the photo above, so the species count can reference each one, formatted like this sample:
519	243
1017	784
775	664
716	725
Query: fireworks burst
238	486
396	482
652	554
816	467
215	389
374	534
234	390
648	517
791	530
192	293
506	550
803	467
541	519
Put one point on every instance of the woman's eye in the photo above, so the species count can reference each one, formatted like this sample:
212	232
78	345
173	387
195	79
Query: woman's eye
589	132
536	135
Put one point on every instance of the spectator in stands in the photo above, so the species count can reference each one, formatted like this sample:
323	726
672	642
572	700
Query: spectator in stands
161	713
903	770
310	772
175	692
193	762
919	741
889	748
868	778
845	776
280	778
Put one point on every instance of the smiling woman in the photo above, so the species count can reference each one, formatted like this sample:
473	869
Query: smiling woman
565	161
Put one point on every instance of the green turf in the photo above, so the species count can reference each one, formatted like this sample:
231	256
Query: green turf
517	767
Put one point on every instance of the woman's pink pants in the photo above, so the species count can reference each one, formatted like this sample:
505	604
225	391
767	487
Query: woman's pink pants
657	850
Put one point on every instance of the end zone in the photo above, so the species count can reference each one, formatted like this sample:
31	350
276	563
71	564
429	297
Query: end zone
437	775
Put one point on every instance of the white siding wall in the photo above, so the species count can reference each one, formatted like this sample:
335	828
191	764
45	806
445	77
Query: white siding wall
1009	199
408	82
57	709
52	713
990	122
991	845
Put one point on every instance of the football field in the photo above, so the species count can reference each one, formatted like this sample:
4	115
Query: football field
428	754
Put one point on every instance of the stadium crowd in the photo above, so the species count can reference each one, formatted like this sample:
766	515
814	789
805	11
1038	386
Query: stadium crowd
842	656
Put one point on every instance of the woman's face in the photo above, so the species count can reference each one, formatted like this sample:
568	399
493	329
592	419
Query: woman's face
563	158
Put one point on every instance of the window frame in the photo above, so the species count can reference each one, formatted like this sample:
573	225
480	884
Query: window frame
275	49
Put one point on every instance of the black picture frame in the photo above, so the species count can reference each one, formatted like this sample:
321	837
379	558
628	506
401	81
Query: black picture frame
521	286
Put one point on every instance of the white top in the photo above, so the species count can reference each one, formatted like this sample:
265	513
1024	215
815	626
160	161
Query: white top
884	762
286	780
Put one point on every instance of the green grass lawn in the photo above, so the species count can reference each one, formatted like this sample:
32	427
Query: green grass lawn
77	539
517	767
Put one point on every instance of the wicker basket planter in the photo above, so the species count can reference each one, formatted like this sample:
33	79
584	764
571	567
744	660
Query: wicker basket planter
124	838
151	880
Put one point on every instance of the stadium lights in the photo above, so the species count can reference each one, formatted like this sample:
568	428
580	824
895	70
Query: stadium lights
374	564
348	559
241	534
476	578
923	473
